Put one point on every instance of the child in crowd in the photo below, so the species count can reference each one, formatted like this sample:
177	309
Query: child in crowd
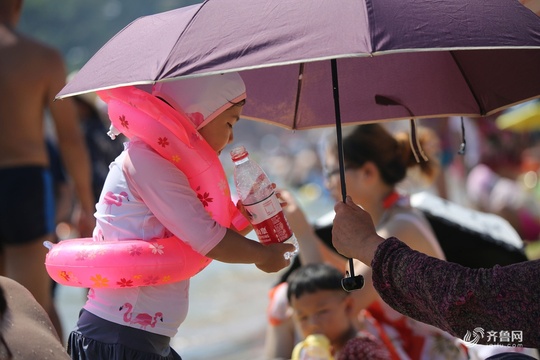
321	306
158	201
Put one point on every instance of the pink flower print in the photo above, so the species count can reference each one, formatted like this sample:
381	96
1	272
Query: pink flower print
196	118
123	121
151	280
156	248
135	250
99	281
124	283
204	198
82	255
64	275
195	137
163	141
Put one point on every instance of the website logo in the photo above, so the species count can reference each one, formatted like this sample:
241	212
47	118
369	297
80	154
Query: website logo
474	336
512	338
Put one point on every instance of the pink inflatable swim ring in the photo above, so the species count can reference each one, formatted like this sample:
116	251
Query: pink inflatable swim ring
124	263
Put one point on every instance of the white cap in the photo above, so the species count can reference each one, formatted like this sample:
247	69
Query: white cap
202	98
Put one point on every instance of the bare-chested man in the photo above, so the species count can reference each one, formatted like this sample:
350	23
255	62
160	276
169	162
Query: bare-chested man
31	74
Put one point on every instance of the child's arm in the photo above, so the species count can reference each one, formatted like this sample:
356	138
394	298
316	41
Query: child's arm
244	231
236	249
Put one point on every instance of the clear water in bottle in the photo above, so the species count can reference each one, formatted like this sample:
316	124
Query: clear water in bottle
255	190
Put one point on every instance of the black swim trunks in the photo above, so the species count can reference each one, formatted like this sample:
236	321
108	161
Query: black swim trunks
27	208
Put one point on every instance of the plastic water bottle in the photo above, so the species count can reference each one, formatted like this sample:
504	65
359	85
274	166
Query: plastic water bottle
255	190
314	347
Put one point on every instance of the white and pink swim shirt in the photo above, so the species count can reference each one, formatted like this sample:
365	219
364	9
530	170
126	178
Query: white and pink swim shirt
146	197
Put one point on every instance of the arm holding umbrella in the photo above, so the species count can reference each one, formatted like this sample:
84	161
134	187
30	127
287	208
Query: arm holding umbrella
452	297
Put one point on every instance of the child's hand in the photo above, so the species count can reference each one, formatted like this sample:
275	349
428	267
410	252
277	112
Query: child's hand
274	259
240	206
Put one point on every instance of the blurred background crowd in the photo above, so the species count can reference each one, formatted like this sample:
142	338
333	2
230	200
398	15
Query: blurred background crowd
498	171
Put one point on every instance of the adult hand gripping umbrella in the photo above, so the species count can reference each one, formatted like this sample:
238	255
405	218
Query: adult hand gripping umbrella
313	63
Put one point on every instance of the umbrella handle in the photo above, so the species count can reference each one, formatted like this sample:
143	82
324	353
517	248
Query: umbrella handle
352	282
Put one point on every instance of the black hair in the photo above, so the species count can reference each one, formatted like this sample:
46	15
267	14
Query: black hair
391	153
311	278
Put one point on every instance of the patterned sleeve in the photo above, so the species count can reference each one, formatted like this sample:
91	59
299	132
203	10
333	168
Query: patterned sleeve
499	300
364	346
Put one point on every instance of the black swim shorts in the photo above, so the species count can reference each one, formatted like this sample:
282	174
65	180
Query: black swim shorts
27	207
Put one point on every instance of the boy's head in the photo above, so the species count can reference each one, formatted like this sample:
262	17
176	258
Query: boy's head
212	103
320	304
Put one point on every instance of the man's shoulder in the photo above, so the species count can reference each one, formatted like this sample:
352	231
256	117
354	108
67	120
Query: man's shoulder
39	48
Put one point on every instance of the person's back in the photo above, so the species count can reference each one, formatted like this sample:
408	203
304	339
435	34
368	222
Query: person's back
25	328
31	74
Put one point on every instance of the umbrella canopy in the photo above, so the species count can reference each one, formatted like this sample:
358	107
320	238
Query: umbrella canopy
464	57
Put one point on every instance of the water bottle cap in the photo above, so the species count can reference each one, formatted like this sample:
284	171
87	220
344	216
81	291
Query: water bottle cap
238	153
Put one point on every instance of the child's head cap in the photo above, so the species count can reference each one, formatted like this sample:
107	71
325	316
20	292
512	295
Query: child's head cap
202	98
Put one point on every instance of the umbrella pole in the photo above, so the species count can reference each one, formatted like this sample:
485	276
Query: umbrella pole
339	135
351	282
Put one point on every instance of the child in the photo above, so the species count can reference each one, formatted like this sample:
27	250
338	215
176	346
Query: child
321	306
138	322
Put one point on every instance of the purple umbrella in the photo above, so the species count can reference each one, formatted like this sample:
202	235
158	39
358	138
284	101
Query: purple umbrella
311	63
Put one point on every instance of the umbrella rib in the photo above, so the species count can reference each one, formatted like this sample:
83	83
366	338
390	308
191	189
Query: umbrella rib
161	74
415	144
298	93
480	106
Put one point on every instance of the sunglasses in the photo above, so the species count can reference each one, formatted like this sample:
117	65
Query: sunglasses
328	174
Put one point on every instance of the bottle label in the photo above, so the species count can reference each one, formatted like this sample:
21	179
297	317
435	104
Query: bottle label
268	220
